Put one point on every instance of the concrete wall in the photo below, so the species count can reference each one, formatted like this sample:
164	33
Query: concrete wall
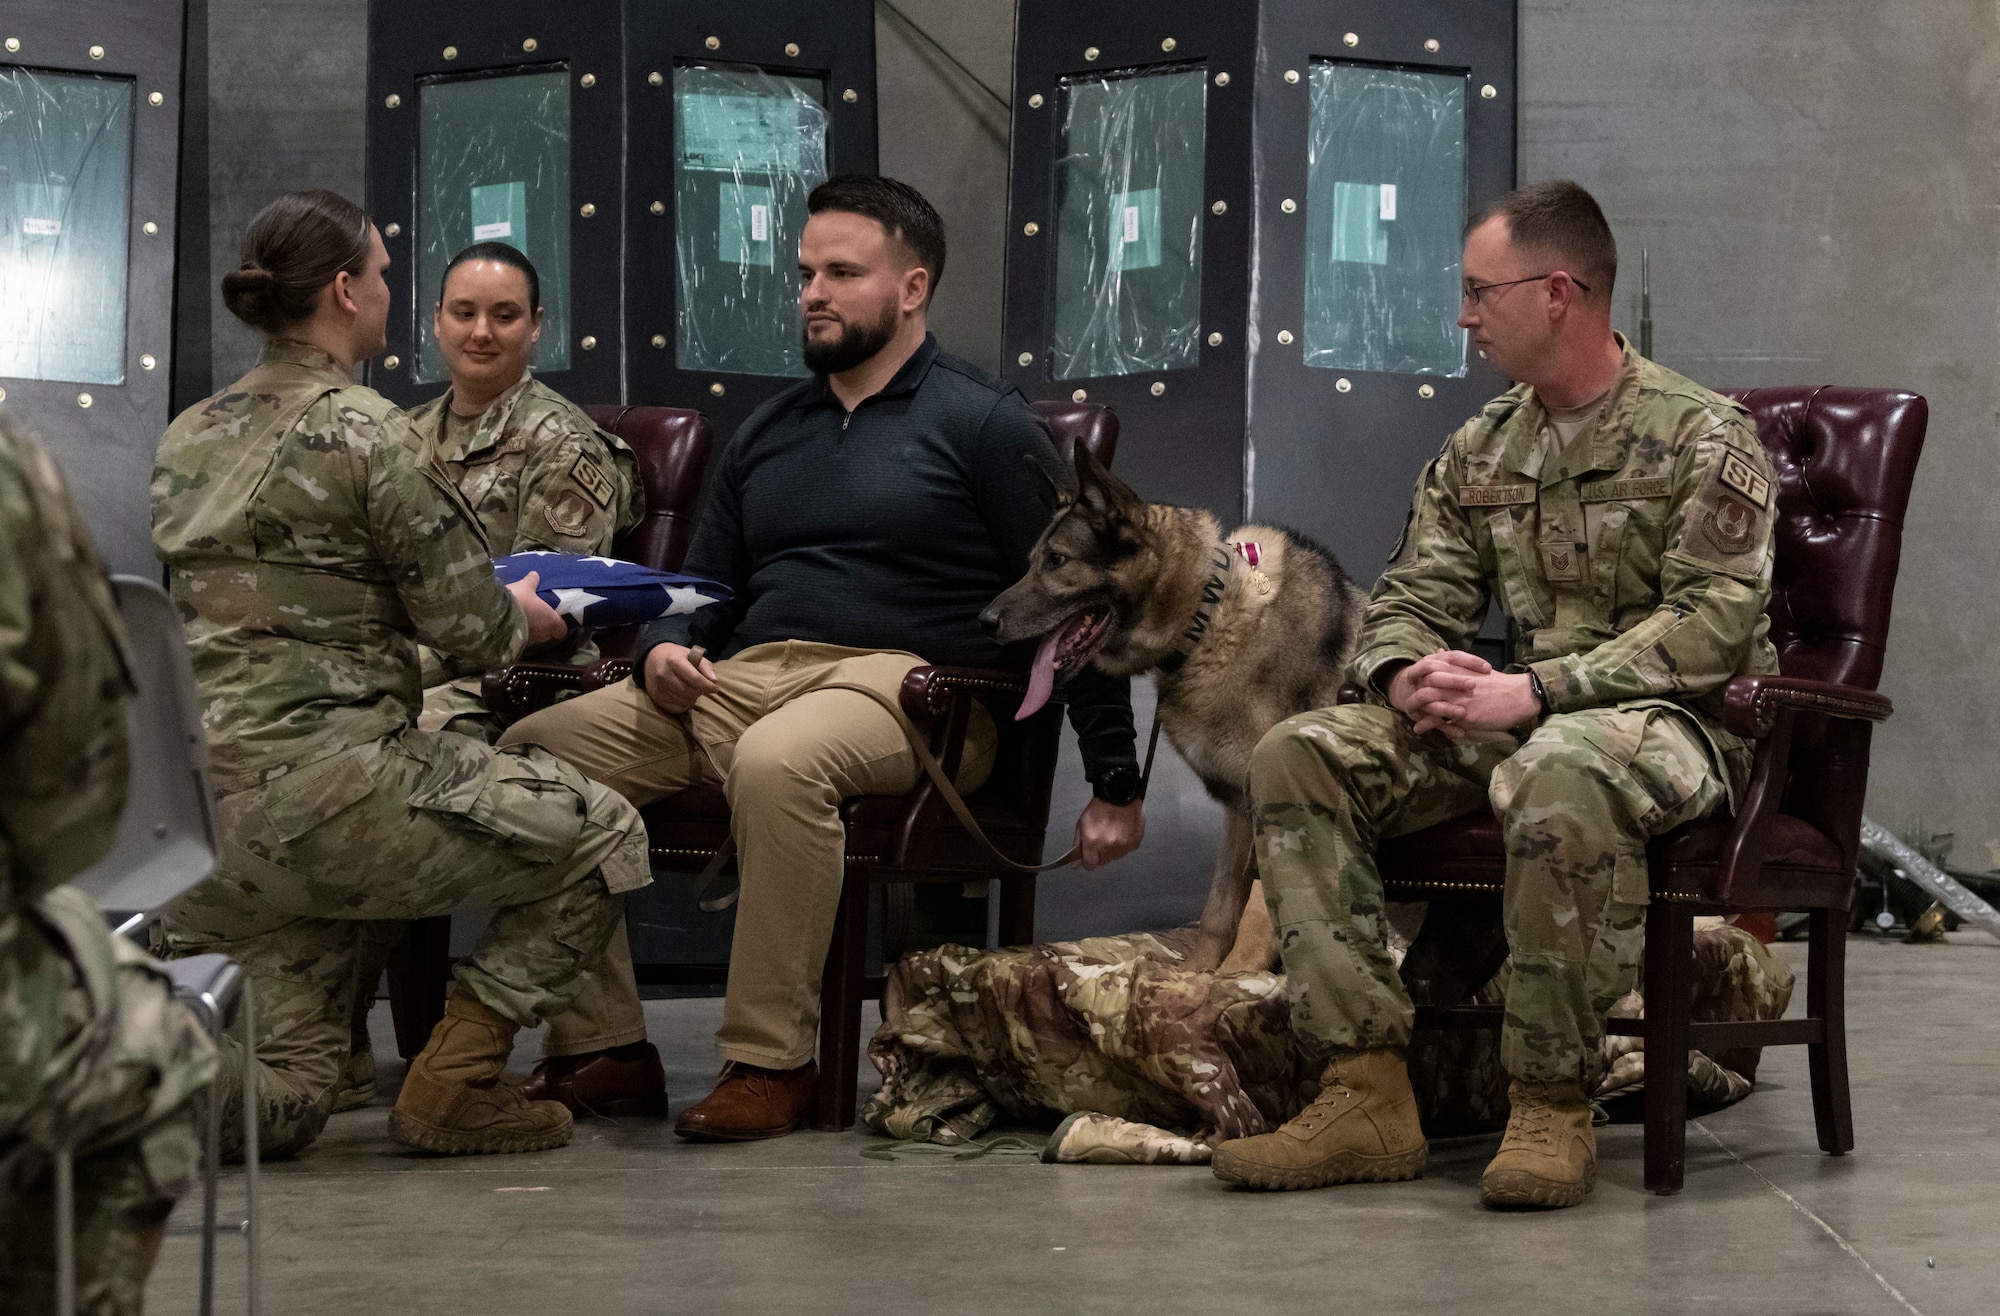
287	83
1816	182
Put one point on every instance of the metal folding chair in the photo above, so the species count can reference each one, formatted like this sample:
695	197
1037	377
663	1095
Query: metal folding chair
165	844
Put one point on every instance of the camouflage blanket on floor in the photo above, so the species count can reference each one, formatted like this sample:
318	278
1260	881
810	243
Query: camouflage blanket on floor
1176	1062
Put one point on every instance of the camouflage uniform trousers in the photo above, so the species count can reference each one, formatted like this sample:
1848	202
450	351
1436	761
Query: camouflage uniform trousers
403	828
452	706
1577	801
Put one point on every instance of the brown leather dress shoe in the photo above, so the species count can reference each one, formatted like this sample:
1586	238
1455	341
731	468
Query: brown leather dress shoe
750	1103
622	1081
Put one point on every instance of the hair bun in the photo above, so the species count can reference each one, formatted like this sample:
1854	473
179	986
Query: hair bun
251	294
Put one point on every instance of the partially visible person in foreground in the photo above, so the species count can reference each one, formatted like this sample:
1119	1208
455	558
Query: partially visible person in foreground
95	1055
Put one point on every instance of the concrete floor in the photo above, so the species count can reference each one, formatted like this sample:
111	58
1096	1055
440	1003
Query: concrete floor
628	1219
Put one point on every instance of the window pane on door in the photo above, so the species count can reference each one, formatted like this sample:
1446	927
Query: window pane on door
748	148
1385	210
493	166
65	201
1129	188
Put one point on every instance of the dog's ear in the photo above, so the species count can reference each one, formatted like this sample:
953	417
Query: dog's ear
1103	493
1057	476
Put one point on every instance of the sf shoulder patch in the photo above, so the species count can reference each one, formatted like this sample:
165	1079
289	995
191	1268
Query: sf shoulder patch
1739	475
1728	522
590	477
569	513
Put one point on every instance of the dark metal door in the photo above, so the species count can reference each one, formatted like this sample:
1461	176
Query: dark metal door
90	153
1141	114
501	120
1342	147
1344	408
777	96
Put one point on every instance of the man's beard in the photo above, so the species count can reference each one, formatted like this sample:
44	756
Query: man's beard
857	342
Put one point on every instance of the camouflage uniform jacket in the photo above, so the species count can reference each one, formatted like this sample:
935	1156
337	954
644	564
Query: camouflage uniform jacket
1635	564
539	474
92	1049
312	545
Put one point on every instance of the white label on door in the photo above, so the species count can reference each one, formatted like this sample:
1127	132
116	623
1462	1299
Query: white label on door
760	223
1388	202
1131	223
41	228
492	232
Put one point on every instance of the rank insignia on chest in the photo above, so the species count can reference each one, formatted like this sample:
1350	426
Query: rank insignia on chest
1562	562
1732	524
1741	476
592	480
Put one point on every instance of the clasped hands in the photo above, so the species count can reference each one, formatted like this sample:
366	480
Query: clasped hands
1454	692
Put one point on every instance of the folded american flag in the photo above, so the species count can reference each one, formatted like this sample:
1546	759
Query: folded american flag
604	591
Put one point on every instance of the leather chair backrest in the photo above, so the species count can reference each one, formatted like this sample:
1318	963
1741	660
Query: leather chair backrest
672	445
1845	460
1092	424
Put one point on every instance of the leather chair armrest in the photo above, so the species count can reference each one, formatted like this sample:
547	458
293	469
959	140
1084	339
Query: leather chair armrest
1751	704
929	692
943	697
525	688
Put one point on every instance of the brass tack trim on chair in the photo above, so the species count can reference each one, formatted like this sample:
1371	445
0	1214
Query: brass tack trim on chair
1770	701
1451	886
666	852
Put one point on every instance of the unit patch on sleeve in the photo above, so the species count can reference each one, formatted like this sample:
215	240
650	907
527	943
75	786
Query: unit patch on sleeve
592	480
569	514
1741	476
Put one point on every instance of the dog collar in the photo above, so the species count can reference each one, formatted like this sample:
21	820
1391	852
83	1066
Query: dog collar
1211	594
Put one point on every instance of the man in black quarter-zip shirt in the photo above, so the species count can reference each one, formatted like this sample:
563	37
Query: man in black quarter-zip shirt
863	518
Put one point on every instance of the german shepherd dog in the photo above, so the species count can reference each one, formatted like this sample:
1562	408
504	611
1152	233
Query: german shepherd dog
1239	633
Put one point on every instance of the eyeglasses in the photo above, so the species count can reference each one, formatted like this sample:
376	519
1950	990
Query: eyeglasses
1471	292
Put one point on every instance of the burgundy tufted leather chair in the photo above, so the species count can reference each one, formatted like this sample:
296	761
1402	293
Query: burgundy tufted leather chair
672	446
1845	460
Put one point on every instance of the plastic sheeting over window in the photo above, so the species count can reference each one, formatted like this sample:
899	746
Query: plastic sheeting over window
493	166
1384	212
1128	223
748	148
65	201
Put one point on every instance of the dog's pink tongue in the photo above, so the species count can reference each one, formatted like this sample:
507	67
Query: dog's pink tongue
1041	677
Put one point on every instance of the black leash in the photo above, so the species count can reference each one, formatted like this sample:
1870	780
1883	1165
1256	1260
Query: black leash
932	768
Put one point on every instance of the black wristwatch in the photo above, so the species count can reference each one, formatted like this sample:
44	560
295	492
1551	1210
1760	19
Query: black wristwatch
1535	685
1120	786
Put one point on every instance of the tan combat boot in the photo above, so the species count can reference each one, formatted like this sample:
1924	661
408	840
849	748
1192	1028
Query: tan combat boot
453	1100
1362	1128
1549	1156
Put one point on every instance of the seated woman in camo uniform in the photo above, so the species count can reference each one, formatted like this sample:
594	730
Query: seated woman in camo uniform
536	472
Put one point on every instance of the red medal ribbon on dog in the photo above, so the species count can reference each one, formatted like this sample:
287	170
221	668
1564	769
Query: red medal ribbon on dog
1248	549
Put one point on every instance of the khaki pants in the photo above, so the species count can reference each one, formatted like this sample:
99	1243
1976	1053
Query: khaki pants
792	751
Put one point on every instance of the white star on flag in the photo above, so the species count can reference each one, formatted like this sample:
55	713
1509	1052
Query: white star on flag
686	598
607	561
572	602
